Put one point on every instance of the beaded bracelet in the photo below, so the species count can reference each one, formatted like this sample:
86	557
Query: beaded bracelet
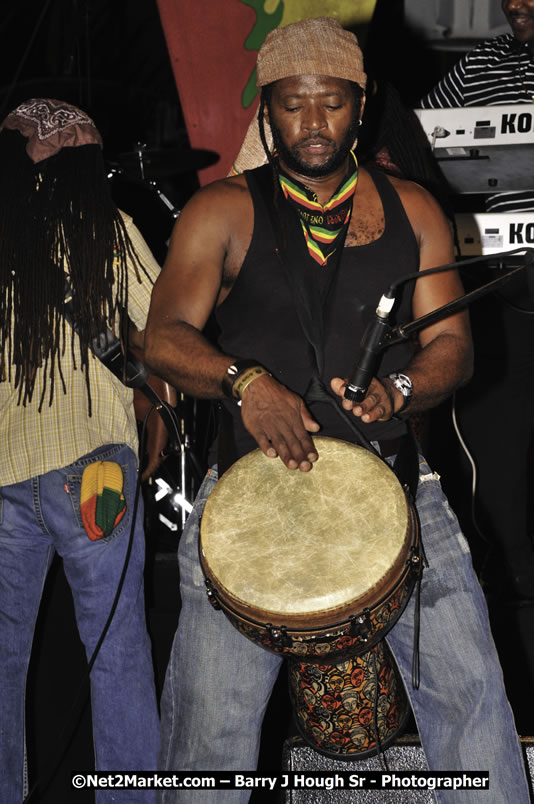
244	380
234	381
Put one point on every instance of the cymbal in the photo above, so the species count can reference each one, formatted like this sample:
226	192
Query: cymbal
154	163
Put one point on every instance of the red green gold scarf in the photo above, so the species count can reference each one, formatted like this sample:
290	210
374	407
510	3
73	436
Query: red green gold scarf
102	502
324	227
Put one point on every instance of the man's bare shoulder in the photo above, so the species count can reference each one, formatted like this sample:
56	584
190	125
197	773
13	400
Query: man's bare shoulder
412	193
221	195
215	213
425	214
214	229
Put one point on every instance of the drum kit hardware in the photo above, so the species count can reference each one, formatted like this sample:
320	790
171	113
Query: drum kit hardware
172	486
114	172
317	567
177	501
155	163
134	177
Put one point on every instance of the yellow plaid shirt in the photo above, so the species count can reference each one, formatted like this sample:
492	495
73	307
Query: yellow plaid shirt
33	443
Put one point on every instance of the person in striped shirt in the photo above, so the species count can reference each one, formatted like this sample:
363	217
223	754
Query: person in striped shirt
497	71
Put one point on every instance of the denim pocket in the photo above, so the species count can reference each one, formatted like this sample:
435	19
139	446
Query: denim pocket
74	485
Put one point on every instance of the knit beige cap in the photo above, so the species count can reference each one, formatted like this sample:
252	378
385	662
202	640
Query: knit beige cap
318	46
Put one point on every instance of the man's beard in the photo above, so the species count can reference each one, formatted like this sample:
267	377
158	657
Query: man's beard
291	158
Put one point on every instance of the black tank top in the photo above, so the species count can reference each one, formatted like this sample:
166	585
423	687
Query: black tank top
258	319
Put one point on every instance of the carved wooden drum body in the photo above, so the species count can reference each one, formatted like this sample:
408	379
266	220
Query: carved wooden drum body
350	709
317	565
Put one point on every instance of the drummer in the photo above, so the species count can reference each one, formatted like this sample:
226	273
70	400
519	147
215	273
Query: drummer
291	305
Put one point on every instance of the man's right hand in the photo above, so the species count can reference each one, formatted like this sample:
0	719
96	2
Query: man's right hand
279	422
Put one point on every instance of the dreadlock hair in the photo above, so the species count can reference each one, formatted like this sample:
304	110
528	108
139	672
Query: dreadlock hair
265	104
57	220
391	124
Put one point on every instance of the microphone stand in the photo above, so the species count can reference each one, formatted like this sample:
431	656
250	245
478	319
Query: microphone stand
400	333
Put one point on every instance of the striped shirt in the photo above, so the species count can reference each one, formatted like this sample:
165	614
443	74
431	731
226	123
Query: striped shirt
497	71
34	443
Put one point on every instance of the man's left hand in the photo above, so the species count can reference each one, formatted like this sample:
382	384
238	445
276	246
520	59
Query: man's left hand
378	405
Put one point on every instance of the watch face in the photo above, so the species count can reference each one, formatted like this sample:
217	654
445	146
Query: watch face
403	383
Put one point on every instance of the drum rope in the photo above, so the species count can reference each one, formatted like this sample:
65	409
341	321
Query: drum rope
416	663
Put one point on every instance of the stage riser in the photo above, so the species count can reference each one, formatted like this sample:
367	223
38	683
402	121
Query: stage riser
401	757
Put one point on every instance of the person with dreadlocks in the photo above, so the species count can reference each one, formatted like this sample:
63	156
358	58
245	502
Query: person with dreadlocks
68	430
290	306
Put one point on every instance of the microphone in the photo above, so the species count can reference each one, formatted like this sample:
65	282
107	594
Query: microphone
371	345
379	333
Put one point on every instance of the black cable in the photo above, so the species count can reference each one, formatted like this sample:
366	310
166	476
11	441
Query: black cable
73	718
317	392
512	306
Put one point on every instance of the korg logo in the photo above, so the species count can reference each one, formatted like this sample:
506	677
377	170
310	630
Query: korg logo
521	233
516	123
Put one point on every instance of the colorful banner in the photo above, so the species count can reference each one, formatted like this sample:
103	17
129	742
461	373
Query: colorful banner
212	47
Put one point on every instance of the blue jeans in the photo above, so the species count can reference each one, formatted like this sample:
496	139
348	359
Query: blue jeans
40	516
218	682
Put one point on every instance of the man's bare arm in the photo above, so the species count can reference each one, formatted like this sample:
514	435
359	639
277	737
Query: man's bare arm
445	360
185	294
188	288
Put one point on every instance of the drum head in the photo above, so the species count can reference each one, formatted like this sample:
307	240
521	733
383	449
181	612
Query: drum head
286	545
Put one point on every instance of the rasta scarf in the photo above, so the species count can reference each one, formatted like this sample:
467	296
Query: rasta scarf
102	502
324	227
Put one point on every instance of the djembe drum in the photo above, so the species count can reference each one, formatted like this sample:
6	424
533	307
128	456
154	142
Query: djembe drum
318	566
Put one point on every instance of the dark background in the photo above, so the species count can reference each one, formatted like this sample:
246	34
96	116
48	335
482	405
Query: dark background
108	57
